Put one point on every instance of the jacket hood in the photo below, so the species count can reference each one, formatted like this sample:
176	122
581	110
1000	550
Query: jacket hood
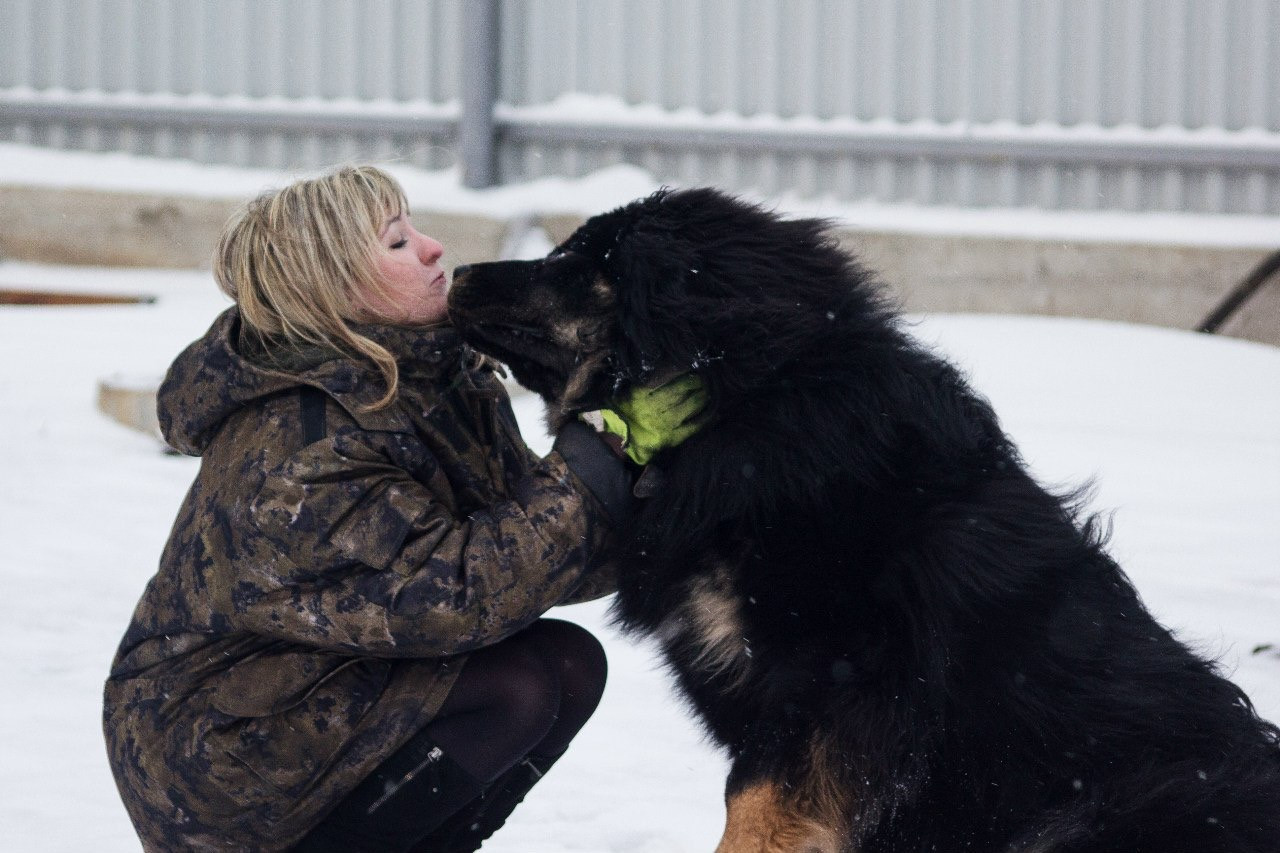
221	373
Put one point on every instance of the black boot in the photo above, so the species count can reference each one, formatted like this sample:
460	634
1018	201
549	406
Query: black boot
411	794
478	820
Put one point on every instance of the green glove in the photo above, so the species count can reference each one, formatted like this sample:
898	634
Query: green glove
652	419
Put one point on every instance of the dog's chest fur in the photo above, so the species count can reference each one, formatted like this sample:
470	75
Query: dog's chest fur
705	635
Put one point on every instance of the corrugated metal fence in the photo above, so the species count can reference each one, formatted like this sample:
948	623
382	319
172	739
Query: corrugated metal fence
1056	104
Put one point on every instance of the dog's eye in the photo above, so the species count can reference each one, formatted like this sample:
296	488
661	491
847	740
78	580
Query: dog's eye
562	254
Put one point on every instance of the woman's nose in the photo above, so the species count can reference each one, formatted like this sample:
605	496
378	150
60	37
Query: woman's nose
430	250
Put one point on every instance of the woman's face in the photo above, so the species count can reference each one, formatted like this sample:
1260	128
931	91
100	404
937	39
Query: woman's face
414	282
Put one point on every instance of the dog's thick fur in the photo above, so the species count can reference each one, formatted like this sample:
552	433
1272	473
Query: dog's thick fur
904	642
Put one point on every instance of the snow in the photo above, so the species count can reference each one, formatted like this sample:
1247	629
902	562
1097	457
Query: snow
441	190
1181	432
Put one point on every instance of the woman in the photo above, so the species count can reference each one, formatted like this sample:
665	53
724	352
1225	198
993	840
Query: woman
342	647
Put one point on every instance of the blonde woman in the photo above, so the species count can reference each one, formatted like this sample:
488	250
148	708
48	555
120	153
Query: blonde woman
342	648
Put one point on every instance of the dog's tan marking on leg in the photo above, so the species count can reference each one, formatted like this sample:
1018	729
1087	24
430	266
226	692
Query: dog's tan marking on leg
712	611
761	820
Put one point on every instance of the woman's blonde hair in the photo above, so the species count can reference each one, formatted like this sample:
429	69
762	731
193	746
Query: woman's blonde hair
301	262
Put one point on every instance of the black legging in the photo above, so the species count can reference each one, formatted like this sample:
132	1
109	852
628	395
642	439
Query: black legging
526	696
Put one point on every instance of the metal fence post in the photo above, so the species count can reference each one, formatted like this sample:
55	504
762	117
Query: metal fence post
476	132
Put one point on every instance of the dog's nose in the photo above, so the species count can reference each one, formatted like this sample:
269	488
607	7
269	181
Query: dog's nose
459	272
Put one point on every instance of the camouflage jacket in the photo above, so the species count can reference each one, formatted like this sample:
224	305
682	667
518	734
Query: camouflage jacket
316	598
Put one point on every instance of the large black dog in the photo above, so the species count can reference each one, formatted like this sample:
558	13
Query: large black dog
904	642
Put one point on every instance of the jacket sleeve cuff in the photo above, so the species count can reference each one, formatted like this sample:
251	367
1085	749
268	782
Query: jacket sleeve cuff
606	476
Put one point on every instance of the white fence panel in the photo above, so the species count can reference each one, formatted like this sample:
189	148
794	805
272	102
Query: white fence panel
1055	104
1083	104
280	83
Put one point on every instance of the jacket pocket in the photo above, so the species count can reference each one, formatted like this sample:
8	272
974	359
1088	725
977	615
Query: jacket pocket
288	715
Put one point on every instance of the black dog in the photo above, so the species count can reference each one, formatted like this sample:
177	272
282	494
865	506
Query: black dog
902	640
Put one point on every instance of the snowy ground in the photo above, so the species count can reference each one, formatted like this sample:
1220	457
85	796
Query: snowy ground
1181	431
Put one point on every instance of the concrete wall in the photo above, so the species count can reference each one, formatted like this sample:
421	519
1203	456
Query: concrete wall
75	226
1162	285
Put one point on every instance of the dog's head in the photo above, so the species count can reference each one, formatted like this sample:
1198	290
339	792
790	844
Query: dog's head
680	281
552	321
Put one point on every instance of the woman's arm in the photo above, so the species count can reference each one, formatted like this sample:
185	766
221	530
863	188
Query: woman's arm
365	558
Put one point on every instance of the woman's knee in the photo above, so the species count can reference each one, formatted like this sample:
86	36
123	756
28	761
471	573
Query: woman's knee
582	669
535	689
504	703
510	682
576	655
529	691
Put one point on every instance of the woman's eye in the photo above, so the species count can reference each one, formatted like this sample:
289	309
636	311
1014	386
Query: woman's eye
399	244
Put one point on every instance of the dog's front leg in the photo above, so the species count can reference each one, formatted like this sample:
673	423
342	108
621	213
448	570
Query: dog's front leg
761	819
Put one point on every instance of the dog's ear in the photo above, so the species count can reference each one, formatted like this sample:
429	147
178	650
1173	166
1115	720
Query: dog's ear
653	272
